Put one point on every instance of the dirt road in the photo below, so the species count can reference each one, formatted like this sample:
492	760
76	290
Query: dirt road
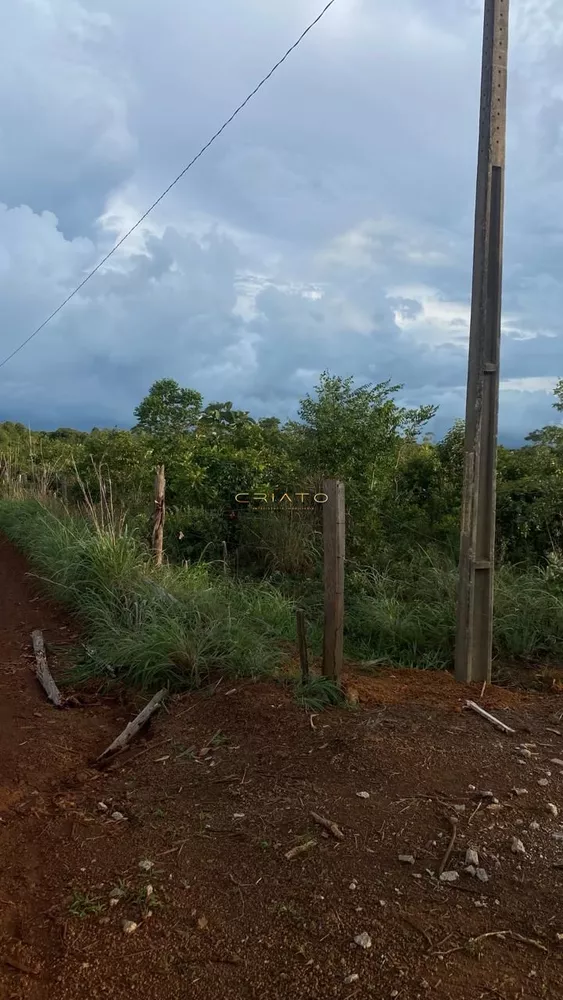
186	836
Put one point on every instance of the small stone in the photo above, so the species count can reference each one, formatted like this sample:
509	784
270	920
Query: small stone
363	940
117	816
238	815
406	859
394	993
534	825
353	886
471	857
150	891
145	865
517	847
202	923
552	809
495	807
471	788
102	807
524	752
117	893
459	809
482	875
449	877
352	978
520	791
543	782
557	762
363	795
557	836
129	926
470	870
103	921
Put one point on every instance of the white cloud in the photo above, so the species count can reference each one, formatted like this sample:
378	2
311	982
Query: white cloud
329	226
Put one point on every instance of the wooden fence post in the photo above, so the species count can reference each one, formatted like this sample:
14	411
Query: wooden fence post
302	642
334	535
159	513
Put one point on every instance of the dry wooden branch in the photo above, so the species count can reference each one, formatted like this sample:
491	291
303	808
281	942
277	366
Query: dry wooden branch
159	515
42	671
133	727
490	718
501	935
328	825
300	849
302	641
453	823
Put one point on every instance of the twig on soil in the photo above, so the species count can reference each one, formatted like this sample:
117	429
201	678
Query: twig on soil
42	672
133	727
475	811
490	718
453	821
328	825
501	935
421	930
300	849
483	689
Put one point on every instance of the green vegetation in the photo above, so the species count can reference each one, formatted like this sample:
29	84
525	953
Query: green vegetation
80	503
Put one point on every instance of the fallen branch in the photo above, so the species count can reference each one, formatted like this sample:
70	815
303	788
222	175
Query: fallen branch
501	935
490	718
300	849
133	727
42	672
453	823
328	825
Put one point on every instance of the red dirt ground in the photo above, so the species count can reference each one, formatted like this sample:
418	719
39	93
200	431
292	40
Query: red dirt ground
217	792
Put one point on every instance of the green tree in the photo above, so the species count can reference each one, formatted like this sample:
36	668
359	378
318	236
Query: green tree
168	410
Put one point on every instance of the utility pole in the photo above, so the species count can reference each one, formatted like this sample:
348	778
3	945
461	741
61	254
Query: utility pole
474	638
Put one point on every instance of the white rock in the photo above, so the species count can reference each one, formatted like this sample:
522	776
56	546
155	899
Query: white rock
552	809
238	815
363	795
353	886
470	870
352	978
145	865
406	859
128	926
363	940
520	791
543	782
517	847
102	807
482	875
471	857
449	877
555	760
534	825
524	752
117	816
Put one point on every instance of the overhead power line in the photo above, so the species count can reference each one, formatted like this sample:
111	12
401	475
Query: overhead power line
203	149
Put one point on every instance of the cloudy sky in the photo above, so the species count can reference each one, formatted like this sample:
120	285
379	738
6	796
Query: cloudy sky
329	227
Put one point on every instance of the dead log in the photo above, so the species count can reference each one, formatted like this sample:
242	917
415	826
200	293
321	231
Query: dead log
42	672
134	727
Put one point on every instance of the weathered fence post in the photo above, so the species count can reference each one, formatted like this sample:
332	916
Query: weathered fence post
302	643
334	535
159	513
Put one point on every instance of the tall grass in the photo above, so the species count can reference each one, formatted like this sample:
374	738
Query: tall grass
178	624
152	627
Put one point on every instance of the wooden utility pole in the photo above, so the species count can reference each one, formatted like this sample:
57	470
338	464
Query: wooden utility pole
159	512
302	642
474	637
334	535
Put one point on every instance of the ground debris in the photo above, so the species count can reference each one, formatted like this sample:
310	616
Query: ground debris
329	825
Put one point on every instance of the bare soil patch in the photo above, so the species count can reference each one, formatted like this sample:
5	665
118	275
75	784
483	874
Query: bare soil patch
216	793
